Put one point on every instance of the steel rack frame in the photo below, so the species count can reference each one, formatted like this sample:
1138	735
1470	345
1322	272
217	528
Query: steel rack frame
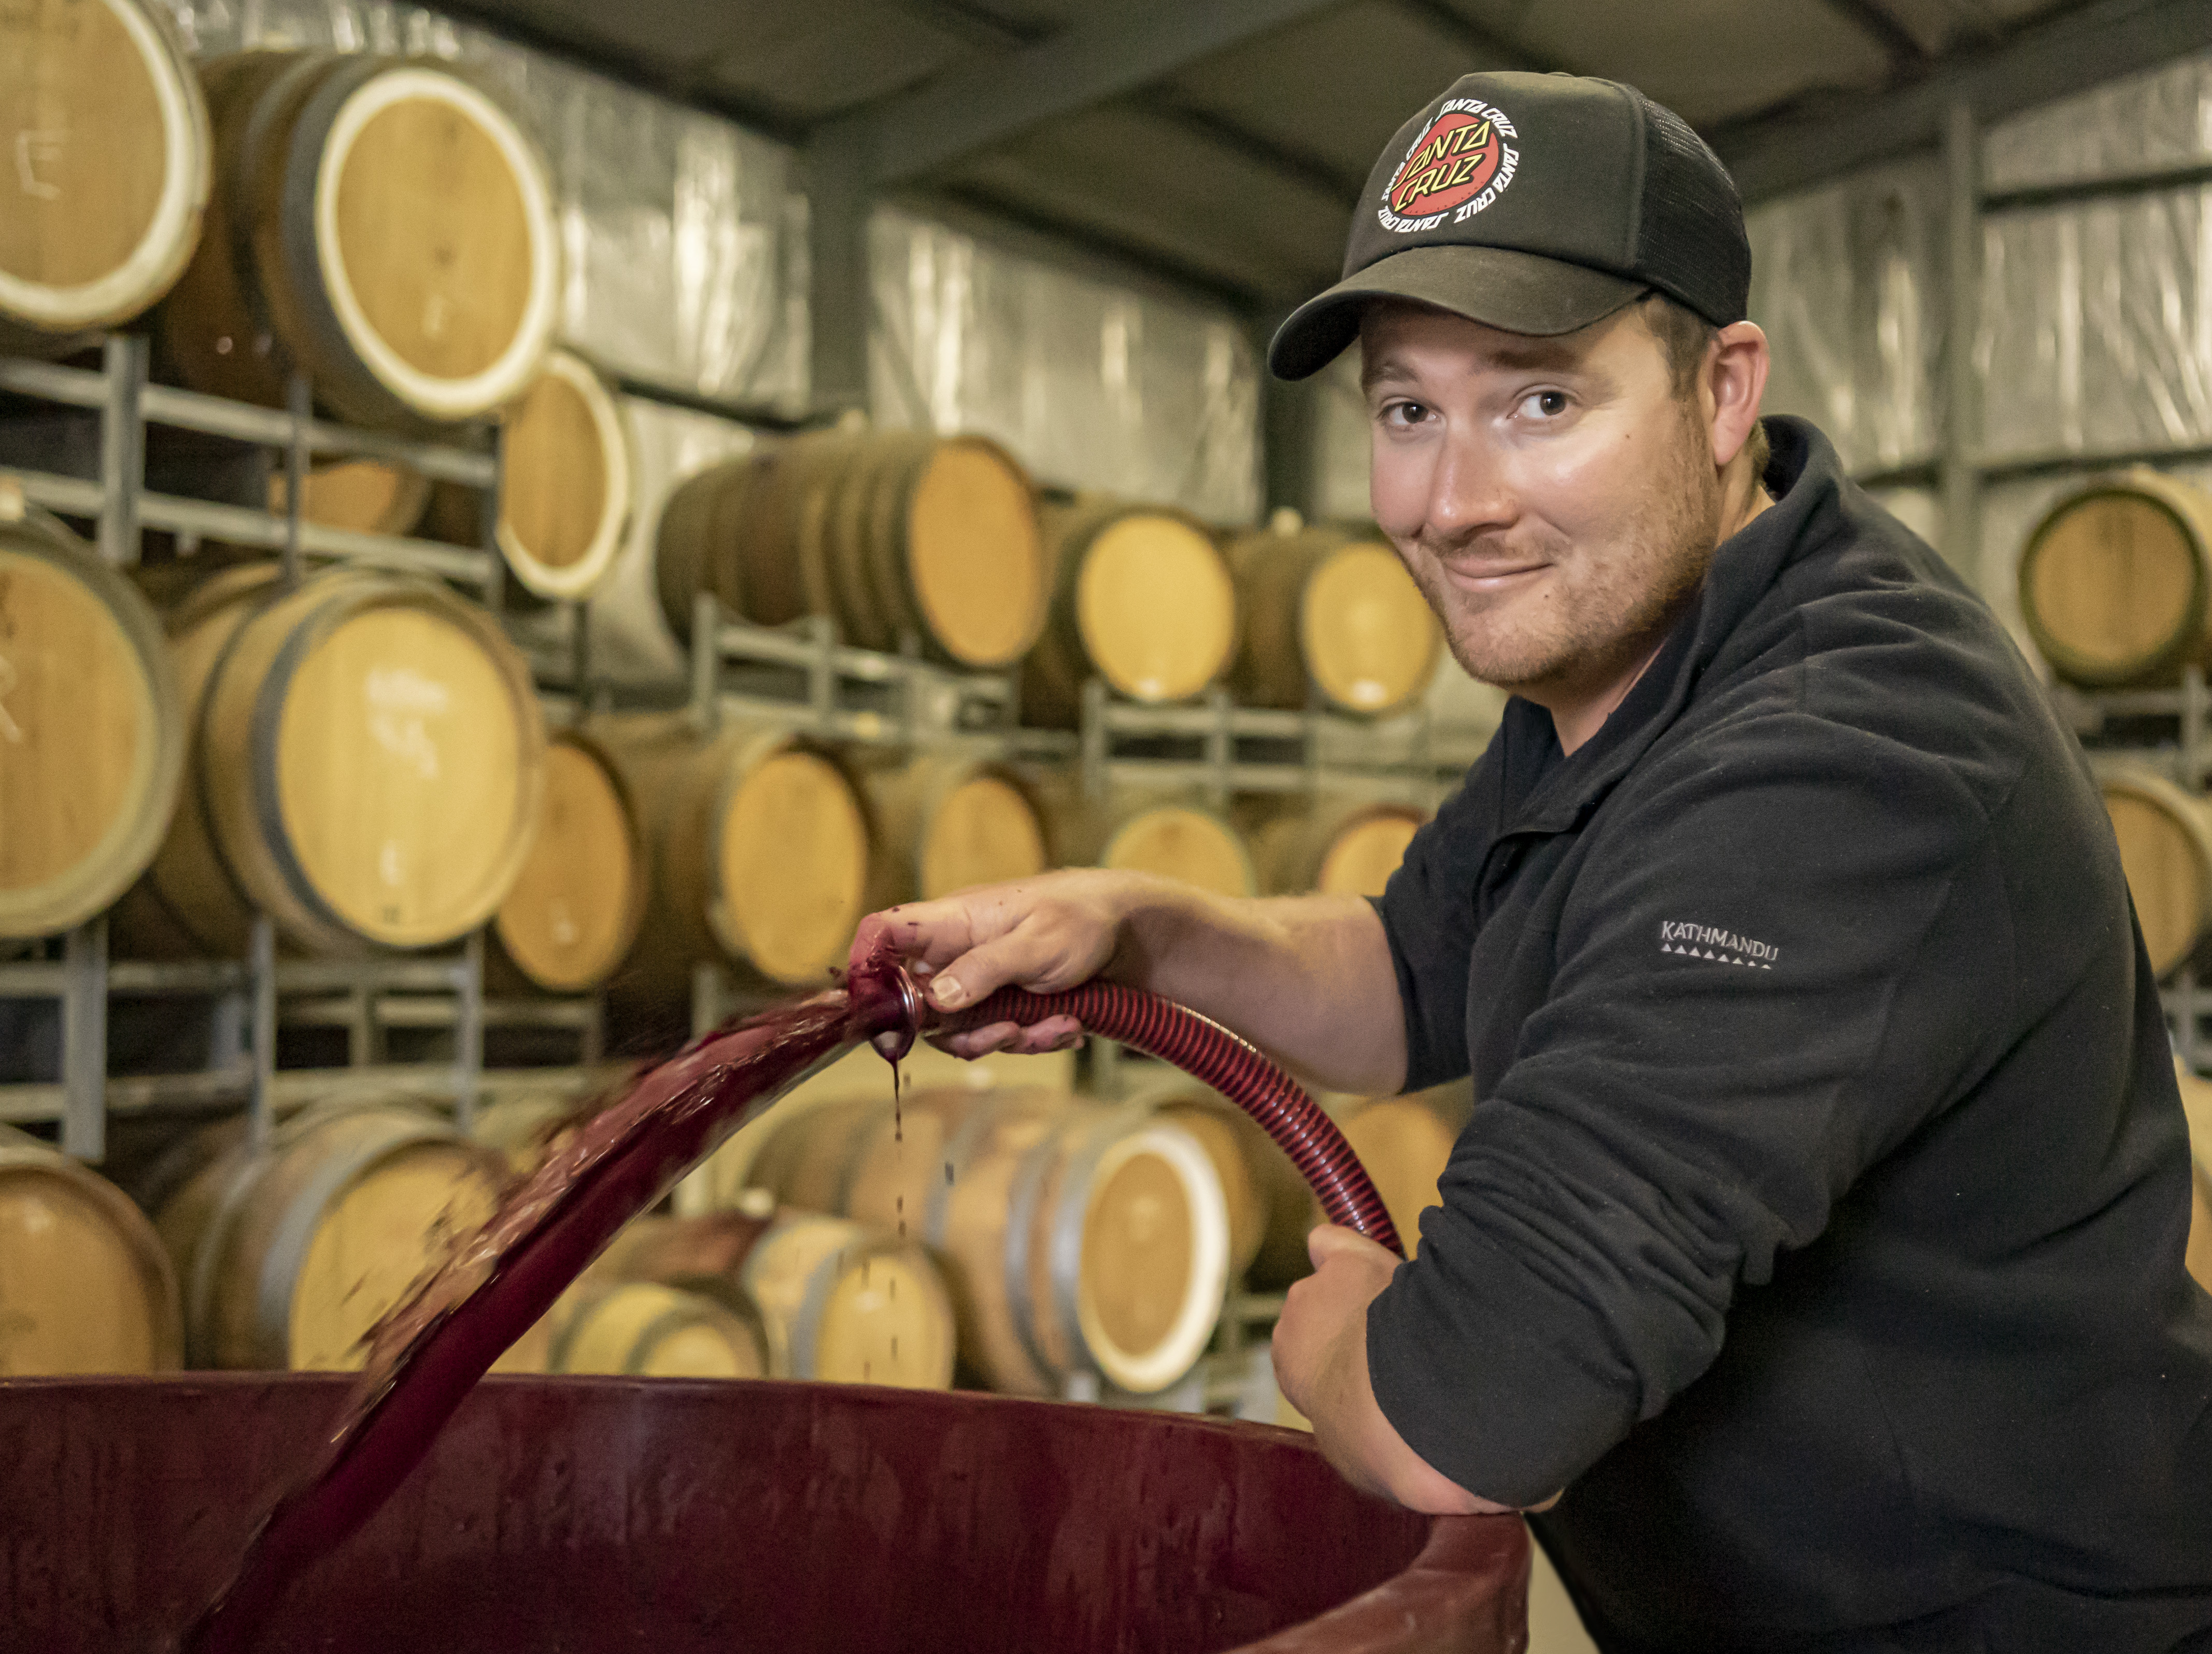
121	505
1218	748
804	676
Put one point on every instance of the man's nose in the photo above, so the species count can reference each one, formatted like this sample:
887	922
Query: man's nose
1469	491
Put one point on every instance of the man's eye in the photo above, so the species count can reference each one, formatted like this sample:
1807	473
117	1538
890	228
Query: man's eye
1405	413
1545	404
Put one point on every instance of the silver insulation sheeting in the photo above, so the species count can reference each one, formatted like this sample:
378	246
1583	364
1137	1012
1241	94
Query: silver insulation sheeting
1847	280
2096	330
1092	385
2140	124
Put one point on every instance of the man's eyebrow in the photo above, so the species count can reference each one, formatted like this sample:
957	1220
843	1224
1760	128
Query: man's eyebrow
1372	373
1524	354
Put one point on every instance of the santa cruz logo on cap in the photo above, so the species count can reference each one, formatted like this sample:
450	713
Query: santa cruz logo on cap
1458	166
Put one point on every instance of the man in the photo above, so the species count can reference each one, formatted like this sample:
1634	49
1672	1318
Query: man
1816	1240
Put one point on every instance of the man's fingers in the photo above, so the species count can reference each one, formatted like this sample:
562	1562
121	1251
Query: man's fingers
1053	1033
1028	954
985	1041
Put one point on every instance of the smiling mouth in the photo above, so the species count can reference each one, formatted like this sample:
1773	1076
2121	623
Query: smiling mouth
1491	577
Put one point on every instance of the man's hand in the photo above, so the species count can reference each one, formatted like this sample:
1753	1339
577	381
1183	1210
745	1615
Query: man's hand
1320	1363
1044	934
1306	978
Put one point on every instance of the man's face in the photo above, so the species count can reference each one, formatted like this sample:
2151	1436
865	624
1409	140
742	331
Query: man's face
1555	498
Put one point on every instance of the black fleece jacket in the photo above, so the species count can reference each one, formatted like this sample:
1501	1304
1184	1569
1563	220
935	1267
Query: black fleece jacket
1820	1224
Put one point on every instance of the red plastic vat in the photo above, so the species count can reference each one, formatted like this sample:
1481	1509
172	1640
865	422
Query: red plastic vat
585	1515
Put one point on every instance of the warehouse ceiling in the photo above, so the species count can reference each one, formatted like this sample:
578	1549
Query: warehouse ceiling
1220	143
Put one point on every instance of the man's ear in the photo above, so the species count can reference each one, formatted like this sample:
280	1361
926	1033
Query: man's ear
1735	380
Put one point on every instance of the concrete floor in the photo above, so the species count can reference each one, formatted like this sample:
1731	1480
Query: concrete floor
1554	1627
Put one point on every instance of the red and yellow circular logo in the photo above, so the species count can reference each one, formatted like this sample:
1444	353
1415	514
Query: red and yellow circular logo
1450	163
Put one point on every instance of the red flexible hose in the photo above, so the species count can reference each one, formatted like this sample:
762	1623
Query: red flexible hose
1205	1049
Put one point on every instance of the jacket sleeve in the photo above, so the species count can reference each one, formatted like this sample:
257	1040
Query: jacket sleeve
1780	955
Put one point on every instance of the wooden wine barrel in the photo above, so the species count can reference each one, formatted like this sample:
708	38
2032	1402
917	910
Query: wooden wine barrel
1332	608
697	525
761	846
85	1286
2196	1103
841	1302
368	496
948	821
1335	846
1142	597
188	903
568	481
290	1256
2113	581
367	765
1236	1144
2165	837
575	909
1404	1144
106	169
642	1331
381	224
1076	1239
1150	832
92	739
891	533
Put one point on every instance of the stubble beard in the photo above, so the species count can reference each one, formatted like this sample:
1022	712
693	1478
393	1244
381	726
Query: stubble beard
1612	607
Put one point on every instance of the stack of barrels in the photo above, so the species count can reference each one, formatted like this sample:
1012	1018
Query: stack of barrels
244	208
2116	591
754	1292
362	757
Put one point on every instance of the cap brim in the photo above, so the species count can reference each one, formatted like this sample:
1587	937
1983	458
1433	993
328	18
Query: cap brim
1499	287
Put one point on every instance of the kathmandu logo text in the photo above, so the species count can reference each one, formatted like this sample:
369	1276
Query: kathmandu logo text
1721	946
1456	168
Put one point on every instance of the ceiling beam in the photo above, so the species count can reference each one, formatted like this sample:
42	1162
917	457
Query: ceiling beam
2098	42
601	55
1110	52
1291	162
1335	188
1872	17
1493	51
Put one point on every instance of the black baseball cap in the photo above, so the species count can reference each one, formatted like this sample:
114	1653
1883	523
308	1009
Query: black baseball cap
1537	203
